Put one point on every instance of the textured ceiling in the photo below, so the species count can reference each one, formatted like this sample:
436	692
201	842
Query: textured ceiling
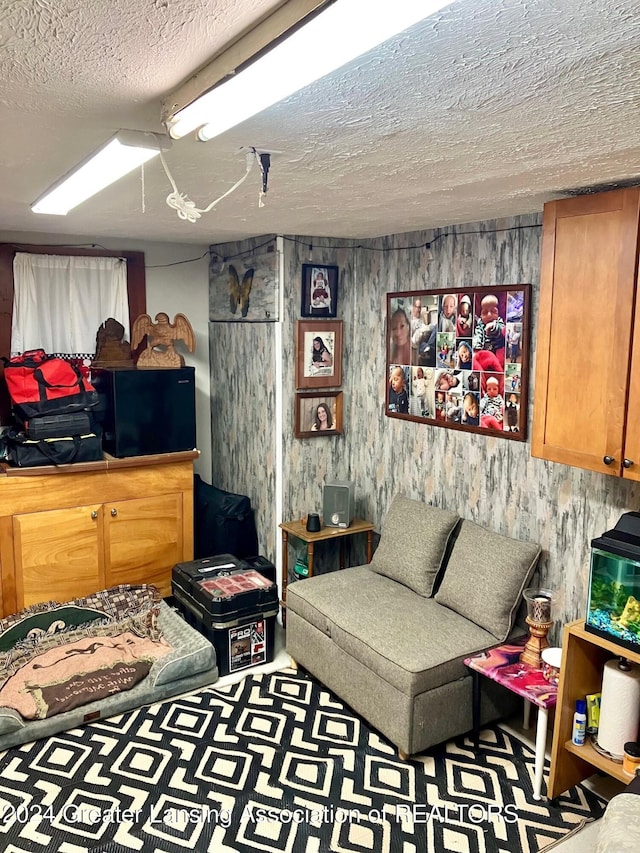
488	109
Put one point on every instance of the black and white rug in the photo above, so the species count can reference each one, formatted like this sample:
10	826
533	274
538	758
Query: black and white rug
274	763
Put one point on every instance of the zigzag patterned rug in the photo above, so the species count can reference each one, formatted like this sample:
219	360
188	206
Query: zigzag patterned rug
274	763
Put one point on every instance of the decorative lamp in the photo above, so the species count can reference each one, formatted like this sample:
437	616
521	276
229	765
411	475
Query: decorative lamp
539	621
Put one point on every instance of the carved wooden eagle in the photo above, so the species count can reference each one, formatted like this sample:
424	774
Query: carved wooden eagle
161	335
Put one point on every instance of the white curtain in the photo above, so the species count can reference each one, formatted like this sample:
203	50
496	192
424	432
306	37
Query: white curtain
61	301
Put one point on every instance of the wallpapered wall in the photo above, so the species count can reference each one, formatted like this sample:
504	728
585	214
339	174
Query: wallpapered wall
243	381
489	480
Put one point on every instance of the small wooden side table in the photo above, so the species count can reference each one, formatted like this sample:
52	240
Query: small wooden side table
298	529
502	665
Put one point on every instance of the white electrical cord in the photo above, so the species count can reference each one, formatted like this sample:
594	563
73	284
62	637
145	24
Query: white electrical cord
182	204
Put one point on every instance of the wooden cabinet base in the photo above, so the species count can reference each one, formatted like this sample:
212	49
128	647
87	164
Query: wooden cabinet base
66	534
583	658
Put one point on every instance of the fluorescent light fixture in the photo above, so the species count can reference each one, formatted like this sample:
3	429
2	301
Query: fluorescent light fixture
124	152
339	33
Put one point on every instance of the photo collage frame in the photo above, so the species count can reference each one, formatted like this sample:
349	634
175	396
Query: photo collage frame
458	358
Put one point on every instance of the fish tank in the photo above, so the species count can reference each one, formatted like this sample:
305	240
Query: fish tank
613	608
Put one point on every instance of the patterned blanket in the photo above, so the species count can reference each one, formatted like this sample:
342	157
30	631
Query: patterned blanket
57	657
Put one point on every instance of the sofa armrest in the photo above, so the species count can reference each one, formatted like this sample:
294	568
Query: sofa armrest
620	826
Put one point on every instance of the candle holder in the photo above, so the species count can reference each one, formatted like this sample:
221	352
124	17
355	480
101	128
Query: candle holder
539	621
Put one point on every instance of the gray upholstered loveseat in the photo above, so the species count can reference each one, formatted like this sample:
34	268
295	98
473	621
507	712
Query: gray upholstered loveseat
620	827
390	638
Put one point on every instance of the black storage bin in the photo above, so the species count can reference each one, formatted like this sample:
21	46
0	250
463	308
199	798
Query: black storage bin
223	522
262	565
234	607
185	575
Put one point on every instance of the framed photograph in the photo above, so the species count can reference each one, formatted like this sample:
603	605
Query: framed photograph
318	354
460	358
319	290
318	414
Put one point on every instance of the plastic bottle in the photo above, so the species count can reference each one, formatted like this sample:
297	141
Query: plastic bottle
301	565
579	723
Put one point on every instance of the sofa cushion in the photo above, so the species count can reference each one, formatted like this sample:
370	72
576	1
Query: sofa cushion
413	542
410	641
485	576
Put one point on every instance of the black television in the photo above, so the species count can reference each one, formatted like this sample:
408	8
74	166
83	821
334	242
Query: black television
143	412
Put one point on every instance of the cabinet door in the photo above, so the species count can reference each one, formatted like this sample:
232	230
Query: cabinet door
143	540
587	292
58	554
631	460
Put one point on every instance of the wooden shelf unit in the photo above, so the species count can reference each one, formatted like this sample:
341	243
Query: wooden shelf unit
583	658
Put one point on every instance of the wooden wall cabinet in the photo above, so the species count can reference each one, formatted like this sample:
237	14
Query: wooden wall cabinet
587	381
583	658
65	534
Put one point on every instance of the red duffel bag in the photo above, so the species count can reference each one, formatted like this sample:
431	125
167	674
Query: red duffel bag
45	385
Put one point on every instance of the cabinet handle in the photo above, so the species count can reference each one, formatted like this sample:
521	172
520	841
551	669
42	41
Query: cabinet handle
608	460
114	512
627	463
94	514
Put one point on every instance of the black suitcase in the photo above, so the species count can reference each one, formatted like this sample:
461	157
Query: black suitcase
223	522
58	426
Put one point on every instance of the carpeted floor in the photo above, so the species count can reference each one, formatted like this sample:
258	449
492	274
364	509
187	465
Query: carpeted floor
272	763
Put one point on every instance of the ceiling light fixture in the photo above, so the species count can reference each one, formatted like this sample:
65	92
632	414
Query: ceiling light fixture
340	32
120	155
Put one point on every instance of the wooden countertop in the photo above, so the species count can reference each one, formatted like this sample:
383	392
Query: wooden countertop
106	463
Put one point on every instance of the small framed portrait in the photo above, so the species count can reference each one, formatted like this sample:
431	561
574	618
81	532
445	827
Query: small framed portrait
319	290
318	354
318	414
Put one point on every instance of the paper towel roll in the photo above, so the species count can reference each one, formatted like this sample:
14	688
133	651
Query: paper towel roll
619	707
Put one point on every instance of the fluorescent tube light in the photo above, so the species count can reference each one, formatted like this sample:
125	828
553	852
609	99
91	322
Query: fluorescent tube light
124	152
343	31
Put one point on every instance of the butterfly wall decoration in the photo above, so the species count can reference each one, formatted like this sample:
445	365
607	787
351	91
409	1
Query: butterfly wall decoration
243	283
239	292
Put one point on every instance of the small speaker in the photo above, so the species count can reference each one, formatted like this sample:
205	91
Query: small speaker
337	504
313	522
